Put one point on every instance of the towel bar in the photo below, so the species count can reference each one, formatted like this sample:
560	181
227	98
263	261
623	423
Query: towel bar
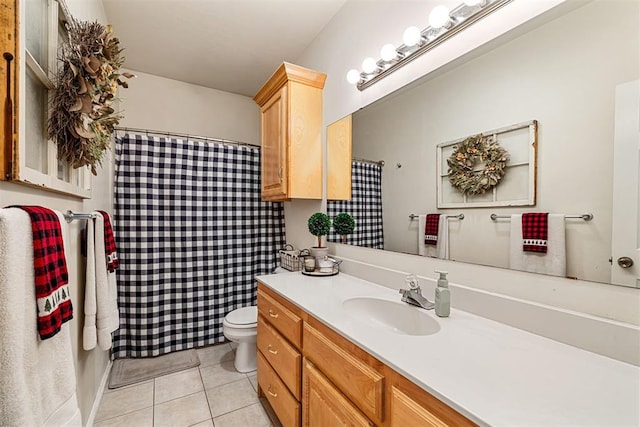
71	216
459	216
586	216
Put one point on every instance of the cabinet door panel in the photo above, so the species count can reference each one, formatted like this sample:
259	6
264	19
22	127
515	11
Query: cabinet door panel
362	384
274	140
324	405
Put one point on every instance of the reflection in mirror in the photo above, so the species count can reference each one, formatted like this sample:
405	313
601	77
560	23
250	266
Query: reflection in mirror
564	74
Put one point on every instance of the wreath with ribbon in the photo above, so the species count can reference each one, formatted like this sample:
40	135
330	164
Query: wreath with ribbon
463	174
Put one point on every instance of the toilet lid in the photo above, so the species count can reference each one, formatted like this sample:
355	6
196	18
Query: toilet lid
243	316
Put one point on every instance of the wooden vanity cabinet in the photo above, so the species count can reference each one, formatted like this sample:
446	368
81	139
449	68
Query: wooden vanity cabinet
291	128
313	376
279	357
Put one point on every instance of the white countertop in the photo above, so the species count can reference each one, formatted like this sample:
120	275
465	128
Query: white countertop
491	372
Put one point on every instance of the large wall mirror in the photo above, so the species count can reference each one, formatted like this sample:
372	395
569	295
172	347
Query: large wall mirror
563	74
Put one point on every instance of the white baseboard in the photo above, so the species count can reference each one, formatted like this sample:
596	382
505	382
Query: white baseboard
98	399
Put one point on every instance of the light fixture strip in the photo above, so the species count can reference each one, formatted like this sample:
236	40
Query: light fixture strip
367	80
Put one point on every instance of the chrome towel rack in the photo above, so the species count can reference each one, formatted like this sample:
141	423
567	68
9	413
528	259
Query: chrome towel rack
72	216
459	216
585	216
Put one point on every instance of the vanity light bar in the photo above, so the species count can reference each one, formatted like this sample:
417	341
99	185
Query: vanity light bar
443	25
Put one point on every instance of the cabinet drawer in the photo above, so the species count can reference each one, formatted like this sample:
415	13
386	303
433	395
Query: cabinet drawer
361	383
324	405
286	407
284	320
284	358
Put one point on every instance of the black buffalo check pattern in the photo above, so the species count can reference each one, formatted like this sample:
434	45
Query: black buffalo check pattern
365	206
192	233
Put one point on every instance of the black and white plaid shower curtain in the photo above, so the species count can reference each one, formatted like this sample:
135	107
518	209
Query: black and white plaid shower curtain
192	234
365	206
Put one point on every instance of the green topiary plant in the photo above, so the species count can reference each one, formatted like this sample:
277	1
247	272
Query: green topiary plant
319	225
344	224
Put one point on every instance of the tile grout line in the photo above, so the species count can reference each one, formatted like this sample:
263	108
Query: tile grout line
206	396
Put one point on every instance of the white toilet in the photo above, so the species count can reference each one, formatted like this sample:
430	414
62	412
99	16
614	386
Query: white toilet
241	326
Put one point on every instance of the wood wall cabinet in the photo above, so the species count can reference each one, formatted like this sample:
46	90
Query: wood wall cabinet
291	128
320	378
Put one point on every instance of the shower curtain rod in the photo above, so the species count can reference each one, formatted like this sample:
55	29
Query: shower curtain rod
184	135
375	162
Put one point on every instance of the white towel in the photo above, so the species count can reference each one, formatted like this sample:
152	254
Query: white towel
554	262
37	378
101	315
441	250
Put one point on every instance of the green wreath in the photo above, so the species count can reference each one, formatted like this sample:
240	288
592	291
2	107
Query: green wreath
467	154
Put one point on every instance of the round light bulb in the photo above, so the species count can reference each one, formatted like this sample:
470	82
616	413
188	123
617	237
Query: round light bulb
353	76
439	16
388	52
369	65
411	36
472	2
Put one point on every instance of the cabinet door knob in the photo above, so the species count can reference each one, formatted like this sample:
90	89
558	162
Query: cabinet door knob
271	393
272	314
271	350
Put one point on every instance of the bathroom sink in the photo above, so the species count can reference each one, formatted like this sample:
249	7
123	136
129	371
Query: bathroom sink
398	317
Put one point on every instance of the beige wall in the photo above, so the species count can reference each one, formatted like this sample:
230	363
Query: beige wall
341	46
161	104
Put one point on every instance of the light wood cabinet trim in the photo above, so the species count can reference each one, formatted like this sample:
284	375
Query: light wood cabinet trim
324	405
9	110
339	148
407	401
289	72
283	358
281	314
347	368
286	407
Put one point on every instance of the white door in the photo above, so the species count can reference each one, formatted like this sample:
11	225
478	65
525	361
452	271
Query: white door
625	267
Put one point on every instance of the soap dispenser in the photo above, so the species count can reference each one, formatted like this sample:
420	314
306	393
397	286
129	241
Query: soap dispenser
443	296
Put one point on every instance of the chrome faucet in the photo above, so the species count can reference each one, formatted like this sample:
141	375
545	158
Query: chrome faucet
413	295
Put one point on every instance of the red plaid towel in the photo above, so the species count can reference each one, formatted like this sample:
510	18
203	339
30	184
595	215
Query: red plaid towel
535	232
50	270
110	244
431	229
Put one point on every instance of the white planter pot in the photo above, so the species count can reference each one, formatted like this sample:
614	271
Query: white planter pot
319	253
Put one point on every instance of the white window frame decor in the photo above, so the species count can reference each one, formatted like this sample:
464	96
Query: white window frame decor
513	189
57	176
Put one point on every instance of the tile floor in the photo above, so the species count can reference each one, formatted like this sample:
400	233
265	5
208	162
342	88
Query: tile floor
210	395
